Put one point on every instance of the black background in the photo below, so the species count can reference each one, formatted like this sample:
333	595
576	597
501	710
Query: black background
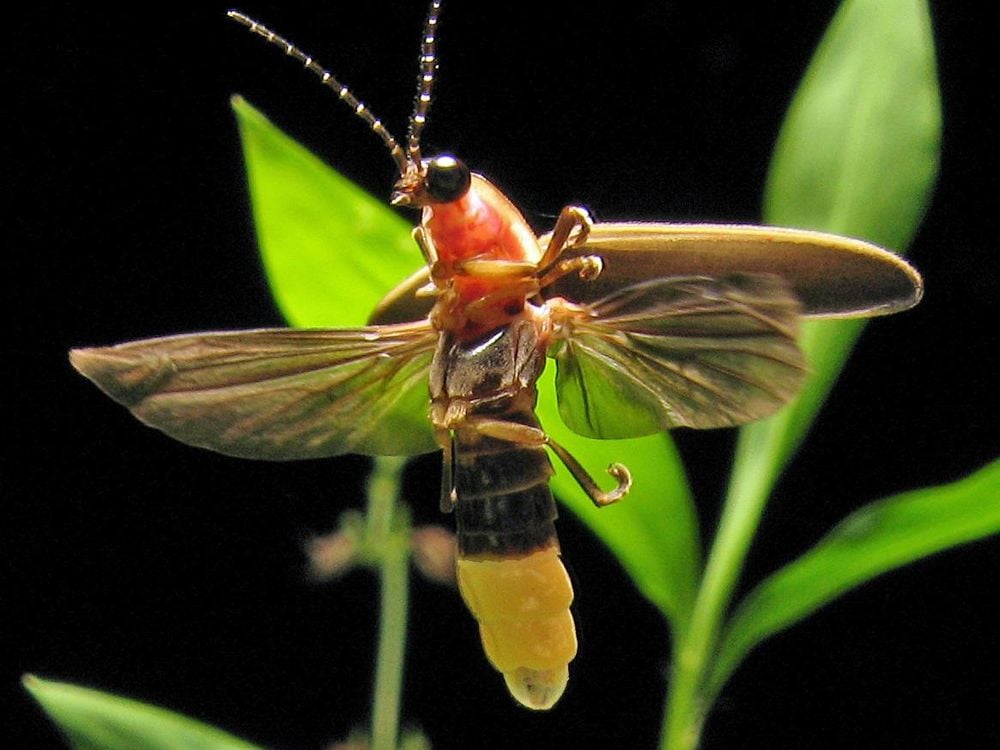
141	566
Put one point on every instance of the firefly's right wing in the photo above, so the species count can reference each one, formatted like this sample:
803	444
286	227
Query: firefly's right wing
277	394
689	351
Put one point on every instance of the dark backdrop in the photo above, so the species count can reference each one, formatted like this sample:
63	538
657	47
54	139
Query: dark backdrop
141	566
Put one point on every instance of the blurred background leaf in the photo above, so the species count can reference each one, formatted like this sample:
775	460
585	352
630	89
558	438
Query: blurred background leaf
92	720
857	155
879	537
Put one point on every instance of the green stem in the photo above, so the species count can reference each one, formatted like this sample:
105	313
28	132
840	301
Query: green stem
695	646
387	532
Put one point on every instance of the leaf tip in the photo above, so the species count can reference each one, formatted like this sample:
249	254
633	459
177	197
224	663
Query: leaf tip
245	111
242	108
35	686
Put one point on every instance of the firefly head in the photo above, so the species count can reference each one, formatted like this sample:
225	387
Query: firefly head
446	178
440	179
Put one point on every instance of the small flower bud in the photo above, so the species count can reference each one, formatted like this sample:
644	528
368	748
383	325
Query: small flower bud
331	555
434	553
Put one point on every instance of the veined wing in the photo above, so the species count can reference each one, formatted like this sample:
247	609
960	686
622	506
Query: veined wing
277	394
679	352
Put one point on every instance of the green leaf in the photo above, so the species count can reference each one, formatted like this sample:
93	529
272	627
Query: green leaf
330	250
92	720
873	540
859	149
857	155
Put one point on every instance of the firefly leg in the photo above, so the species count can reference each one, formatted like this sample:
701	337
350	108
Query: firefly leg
512	432
599	497
519	277
473	311
426	244
448	496
527	435
589	267
423	239
443	418
495	268
570	218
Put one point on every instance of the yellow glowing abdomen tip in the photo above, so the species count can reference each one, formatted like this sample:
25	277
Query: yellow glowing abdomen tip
522	605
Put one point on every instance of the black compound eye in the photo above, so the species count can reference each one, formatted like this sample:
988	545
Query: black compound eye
447	179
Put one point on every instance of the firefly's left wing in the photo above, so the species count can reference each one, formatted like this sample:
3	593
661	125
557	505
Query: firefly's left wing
277	394
689	351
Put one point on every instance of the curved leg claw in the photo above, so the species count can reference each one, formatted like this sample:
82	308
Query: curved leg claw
621	473
599	497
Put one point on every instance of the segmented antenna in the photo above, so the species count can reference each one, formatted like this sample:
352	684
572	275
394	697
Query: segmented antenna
345	95
425	80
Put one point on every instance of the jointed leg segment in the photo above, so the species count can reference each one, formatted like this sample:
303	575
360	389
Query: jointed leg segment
527	435
570	218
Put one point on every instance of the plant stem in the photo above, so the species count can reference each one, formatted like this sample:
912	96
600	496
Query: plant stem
694	647
387	532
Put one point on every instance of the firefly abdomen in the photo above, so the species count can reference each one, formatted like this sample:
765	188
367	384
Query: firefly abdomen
509	570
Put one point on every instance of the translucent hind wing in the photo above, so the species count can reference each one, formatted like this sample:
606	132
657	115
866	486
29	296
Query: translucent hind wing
277	394
690	351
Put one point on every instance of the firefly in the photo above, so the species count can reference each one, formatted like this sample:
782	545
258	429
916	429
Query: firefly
652	326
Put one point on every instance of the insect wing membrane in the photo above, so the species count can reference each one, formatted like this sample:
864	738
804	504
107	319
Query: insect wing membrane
277	394
680	352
